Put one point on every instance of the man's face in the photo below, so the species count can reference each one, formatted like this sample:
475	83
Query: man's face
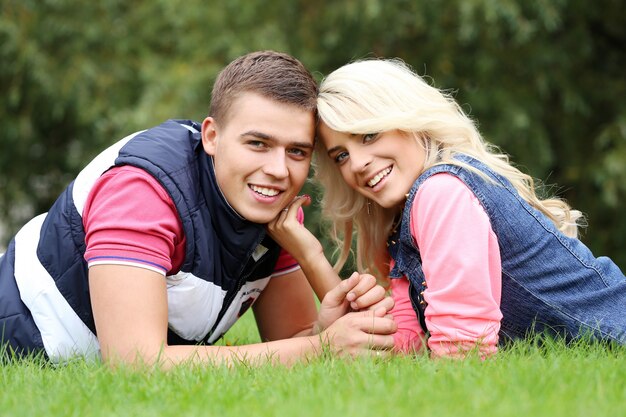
262	154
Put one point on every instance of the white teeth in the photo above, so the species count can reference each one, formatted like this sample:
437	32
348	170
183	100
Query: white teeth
382	174
268	192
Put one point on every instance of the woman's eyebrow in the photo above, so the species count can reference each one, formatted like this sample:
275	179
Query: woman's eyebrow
333	149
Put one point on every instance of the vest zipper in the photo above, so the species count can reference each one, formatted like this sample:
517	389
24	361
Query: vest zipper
230	296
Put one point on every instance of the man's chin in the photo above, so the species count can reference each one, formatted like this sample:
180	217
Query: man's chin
263	217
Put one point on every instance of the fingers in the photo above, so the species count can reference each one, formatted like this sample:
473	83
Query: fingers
363	333
292	208
376	322
373	332
367	294
289	212
366	283
387	303
362	292
338	294
368	299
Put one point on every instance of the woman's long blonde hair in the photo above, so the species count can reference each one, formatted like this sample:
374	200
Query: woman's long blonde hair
378	95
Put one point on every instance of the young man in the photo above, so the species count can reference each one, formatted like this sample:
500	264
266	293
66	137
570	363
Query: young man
160	243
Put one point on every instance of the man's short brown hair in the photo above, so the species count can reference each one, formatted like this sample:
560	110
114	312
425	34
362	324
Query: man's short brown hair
273	75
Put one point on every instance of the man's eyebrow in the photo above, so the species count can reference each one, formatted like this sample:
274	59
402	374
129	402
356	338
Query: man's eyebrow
302	145
261	135
257	134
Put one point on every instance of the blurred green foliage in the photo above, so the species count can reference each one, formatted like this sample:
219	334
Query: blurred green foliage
544	78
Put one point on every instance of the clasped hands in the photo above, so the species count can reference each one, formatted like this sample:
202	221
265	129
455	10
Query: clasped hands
354	318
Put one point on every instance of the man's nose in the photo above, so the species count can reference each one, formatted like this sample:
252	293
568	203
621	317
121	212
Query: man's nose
276	164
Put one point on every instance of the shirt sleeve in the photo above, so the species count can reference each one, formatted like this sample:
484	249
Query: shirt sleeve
130	219
409	337
461	264
287	263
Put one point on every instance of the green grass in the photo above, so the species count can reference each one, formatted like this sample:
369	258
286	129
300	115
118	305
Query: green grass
523	380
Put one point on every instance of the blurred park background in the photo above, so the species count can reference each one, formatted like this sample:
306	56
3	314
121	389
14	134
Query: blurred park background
545	79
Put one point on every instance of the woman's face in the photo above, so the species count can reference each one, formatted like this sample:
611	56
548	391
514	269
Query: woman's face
380	166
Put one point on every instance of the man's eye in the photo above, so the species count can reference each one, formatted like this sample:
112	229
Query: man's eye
256	143
298	152
369	137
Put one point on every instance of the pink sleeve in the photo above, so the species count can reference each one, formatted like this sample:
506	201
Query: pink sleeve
286	263
461	263
130	219
409	337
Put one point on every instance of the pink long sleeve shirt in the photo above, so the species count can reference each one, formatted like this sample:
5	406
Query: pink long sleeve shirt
462	269
130	220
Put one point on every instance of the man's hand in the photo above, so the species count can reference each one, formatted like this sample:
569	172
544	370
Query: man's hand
361	333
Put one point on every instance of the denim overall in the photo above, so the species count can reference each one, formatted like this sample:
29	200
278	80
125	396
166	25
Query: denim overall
550	282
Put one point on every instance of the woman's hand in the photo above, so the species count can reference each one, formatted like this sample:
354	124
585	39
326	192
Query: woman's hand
361	333
359	292
291	235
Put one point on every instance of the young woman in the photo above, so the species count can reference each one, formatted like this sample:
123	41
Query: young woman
474	256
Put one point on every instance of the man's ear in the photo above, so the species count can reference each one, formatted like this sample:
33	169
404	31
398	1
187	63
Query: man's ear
209	135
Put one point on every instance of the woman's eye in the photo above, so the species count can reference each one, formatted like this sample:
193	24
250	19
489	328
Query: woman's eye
369	137
340	157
